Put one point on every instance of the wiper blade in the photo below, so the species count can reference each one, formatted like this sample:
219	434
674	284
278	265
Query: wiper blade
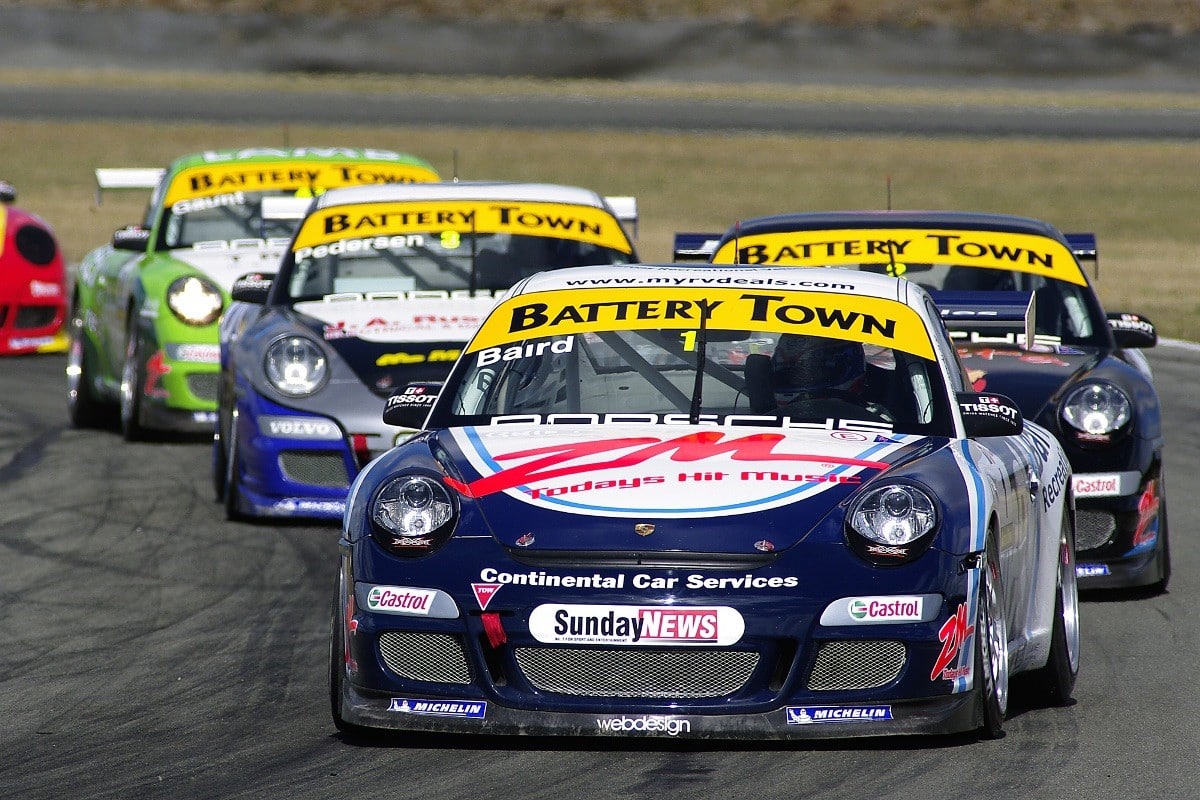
701	359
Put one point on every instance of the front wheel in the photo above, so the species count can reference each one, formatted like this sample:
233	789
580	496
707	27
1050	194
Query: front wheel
1056	681
84	408
233	477
991	647
338	654
133	378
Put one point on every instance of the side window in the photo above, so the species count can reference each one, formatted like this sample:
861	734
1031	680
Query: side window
959	382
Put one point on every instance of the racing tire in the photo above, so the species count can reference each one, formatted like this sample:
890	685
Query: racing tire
1054	683
84	408
991	647
220	464
220	457
233	477
133	377
337	671
1164	553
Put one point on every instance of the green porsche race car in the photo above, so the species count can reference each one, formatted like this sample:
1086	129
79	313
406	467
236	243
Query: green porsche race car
145	307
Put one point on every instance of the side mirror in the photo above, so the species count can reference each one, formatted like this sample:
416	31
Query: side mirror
987	414
253	287
1132	330
134	238
409	407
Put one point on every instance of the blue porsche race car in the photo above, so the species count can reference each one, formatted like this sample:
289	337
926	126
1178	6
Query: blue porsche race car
705	502
1027	322
380	286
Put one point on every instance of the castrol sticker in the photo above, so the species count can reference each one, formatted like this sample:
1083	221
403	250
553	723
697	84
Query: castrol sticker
636	625
885	609
400	600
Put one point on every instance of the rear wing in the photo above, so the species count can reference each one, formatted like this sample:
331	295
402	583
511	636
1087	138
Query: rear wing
625	209
983	317
1083	247
695	246
108	178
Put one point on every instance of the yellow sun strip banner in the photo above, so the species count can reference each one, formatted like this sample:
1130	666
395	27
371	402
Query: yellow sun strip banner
556	220
3	227
1021	252
870	320
307	177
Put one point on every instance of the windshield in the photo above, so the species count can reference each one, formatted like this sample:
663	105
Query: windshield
223	218
442	261
700	376
1065	313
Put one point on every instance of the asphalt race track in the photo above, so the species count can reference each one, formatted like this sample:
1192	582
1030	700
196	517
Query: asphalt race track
151	649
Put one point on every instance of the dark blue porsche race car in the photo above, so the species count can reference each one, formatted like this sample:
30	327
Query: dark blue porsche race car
705	502
380	286
1027	323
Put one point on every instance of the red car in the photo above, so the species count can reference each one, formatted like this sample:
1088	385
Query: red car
32	280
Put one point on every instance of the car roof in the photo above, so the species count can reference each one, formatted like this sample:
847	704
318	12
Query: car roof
967	220
209	158
865	307
461	190
610	277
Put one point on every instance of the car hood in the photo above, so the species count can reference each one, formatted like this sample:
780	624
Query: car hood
225	265
717	490
1032	378
389	342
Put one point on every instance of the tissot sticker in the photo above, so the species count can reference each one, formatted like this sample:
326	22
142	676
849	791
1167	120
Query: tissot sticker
871	320
636	625
530	218
589	470
290	176
1021	252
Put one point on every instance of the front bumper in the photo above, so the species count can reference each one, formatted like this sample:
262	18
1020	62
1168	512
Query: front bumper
295	464
955	713
1120	530
480	654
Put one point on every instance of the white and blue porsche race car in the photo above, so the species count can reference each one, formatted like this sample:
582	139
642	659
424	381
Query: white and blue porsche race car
707	502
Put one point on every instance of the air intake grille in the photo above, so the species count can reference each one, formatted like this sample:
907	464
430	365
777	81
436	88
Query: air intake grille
856	664
203	385
1094	529
34	316
315	469
637	673
433	657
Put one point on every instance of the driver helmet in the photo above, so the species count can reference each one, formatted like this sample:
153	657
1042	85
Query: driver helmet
816	365
8	192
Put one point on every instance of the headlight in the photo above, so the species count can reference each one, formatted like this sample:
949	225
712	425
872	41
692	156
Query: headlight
412	515
1096	409
296	366
194	300
893	515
